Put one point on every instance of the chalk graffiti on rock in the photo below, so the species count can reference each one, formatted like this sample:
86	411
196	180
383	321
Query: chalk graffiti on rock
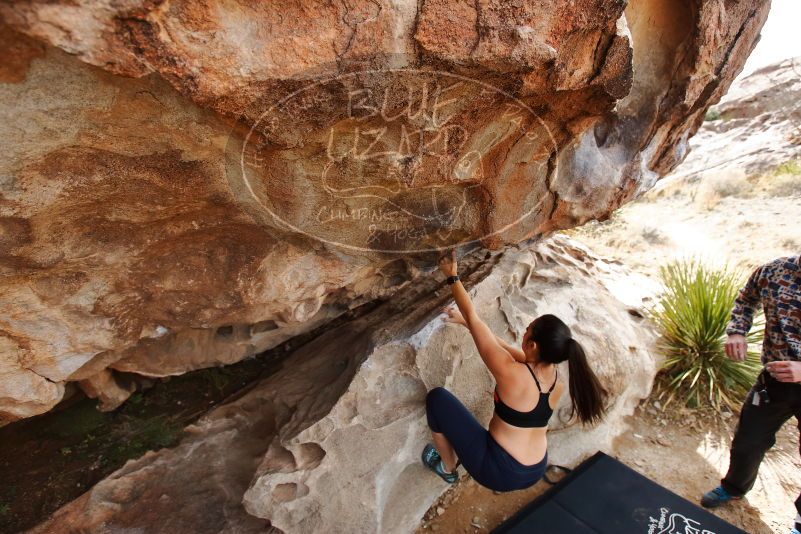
393	161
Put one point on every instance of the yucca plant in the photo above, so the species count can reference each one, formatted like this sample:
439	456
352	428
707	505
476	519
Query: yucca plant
692	314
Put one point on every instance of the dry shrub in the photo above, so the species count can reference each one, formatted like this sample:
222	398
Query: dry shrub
717	185
783	181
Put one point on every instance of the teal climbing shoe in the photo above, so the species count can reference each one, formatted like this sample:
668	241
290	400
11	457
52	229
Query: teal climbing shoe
716	497
432	460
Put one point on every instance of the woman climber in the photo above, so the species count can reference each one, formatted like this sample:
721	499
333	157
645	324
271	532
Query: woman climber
512	454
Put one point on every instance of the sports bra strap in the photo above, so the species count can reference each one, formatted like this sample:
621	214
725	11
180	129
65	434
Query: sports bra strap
534	376
555	378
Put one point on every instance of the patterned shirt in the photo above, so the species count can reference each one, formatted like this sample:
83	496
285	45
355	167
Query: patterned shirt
777	285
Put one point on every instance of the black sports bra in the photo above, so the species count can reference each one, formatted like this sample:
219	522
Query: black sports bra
538	417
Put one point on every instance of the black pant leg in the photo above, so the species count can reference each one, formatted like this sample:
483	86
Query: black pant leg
755	434
797	412
448	416
798	420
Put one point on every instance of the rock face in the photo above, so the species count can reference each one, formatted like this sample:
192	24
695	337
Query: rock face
331	442
188	183
756	129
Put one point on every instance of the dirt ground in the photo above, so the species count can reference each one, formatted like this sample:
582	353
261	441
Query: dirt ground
675	224
652	446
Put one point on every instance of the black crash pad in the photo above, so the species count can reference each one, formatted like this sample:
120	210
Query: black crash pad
605	496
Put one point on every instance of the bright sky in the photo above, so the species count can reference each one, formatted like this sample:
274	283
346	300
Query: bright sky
780	36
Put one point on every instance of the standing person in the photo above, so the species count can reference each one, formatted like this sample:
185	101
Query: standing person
512	454
776	395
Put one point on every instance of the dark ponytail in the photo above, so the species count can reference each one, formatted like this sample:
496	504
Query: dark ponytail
586	392
556	345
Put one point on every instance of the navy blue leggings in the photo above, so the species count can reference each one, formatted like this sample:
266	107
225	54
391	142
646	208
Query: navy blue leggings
486	461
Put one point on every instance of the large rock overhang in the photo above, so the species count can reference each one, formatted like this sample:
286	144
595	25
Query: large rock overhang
176	171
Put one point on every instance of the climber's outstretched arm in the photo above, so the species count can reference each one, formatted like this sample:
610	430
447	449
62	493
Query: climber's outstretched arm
497	359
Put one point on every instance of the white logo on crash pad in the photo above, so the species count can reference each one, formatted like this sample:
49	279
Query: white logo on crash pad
675	523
